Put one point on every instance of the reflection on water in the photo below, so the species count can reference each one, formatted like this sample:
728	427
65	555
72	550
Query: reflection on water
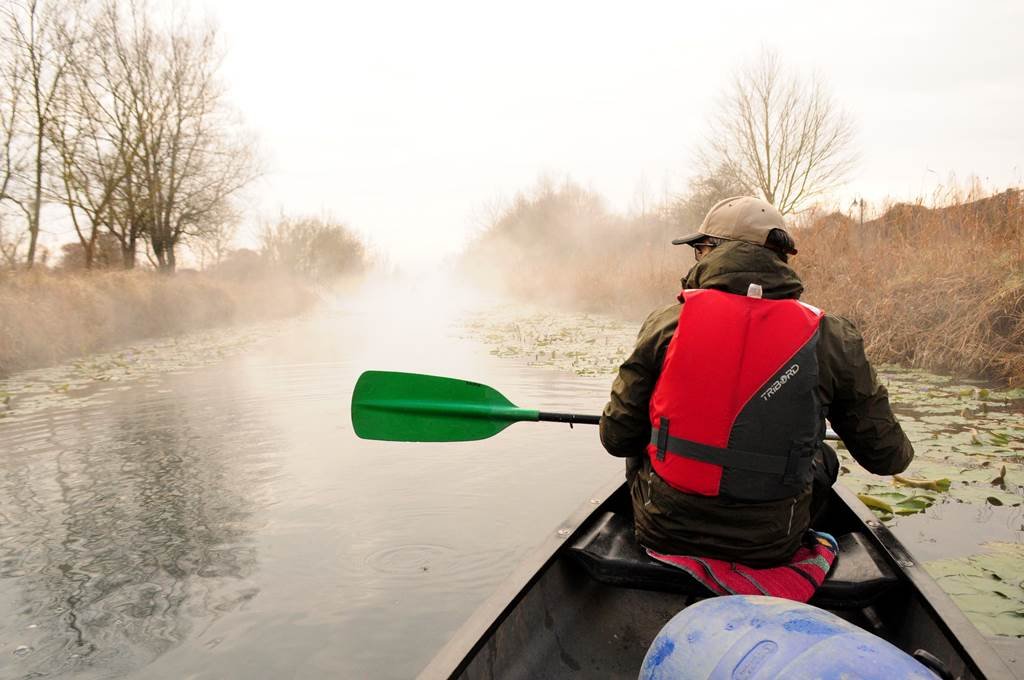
225	522
959	529
121	526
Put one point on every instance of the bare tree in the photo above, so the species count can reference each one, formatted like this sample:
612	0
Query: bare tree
10	101
212	244
705	190
91	145
192	156
146	144
313	248
781	134
42	35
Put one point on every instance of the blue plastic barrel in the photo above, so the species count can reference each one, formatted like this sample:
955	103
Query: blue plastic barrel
743	637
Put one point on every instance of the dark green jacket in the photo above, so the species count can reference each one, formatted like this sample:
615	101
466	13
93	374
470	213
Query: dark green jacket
856	404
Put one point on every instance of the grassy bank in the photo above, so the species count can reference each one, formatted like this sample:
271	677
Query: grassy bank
940	289
48	316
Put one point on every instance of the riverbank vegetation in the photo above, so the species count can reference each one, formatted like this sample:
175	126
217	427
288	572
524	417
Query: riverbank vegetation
49	314
939	288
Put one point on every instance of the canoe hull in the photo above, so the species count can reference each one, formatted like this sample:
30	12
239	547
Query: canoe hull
551	619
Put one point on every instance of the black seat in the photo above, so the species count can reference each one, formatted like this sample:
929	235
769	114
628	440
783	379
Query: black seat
610	554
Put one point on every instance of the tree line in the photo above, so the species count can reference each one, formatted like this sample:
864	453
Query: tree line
115	113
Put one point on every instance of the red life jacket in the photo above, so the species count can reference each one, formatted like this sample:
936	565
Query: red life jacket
736	411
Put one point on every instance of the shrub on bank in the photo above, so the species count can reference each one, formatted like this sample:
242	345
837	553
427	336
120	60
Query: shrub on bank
940	289
46	316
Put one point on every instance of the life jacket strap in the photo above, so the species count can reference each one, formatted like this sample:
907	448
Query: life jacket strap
792	467
797	465
660	439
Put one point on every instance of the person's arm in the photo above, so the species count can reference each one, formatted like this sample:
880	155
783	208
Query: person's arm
858	404
625	423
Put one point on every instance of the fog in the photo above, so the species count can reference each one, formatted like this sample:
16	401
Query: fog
406	119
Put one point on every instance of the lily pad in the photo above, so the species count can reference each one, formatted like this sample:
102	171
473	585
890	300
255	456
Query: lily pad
988	587
932	484
28	392
896	503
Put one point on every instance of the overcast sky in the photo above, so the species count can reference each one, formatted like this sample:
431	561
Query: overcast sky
406	119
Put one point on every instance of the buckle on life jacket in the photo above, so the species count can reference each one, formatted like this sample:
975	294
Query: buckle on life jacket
662	445
798	463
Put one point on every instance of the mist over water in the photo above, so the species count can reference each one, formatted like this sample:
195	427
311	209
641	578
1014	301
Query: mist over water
224	521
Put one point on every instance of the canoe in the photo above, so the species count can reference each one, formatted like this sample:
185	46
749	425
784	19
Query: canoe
589	602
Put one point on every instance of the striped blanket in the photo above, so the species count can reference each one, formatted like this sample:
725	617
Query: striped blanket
797	580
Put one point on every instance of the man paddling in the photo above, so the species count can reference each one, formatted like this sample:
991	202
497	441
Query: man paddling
720	408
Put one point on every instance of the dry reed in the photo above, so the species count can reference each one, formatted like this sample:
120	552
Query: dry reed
934	288
49	316
940	289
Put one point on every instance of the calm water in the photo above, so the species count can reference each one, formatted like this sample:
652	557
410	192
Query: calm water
225	522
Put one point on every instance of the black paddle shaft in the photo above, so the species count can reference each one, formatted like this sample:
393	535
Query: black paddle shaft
576	418
571	418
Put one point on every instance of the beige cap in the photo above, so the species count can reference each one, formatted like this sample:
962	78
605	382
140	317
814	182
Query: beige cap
740	218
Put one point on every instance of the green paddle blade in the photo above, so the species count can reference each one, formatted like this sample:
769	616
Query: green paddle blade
410	407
